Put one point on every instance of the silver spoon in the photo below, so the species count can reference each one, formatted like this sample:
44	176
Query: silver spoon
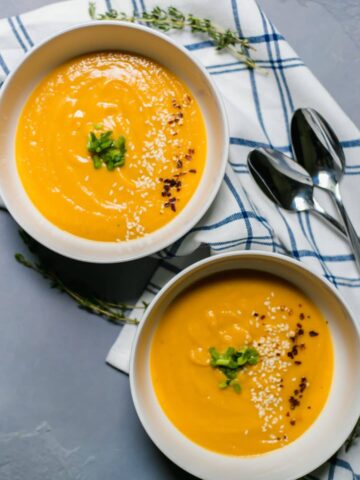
286	183
318	150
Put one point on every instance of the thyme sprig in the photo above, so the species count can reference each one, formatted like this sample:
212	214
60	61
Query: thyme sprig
166	19
111	311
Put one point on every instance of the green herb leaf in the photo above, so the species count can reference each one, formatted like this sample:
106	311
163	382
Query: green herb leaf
230	362
236	386
223	384
104	149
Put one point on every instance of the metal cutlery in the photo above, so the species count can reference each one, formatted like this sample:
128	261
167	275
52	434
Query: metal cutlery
318	150
286	183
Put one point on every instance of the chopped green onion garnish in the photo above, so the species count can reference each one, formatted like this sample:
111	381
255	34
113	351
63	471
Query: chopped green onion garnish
104	149
230	362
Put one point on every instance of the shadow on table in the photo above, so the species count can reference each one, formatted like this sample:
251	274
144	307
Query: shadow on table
123	282
164	467
175	472
118	282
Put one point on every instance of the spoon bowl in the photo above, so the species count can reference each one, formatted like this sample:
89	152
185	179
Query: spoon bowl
286	183
289	186
318	150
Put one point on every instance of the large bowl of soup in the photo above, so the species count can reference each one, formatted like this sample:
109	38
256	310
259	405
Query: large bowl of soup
114	142
246	366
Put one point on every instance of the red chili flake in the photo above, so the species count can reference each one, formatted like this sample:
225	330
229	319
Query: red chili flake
192	170
301	316
173	207
302	386
175	104
191	151
262	317
179	164
297	362
292	422
294	402
188	157
312	333
167	204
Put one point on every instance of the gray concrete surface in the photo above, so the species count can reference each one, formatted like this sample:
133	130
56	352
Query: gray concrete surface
64	414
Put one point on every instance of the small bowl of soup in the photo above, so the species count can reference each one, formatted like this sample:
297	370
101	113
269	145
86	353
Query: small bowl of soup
114	142
246	366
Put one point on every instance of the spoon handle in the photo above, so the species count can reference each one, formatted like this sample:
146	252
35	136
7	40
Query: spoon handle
317	208
351	232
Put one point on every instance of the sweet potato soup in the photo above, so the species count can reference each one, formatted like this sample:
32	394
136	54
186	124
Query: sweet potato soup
110	146
242	363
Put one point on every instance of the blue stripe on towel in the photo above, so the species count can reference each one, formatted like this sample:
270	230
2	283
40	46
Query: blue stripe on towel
4	66
16	34
24	31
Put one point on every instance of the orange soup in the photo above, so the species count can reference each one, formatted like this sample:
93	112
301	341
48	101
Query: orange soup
132	97
242	363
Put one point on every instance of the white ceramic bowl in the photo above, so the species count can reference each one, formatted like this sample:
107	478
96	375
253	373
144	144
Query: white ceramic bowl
97	36
325	435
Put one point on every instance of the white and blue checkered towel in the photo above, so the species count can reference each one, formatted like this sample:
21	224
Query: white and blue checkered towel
259	108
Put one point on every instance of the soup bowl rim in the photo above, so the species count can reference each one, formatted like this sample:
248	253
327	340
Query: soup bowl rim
83	249
208	460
